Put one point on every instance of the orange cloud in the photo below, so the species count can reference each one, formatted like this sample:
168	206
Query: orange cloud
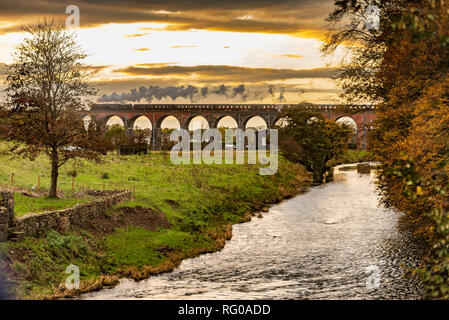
208	73
135	35
296	56
176	47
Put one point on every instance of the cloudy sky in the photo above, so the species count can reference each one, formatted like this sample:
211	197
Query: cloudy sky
228	51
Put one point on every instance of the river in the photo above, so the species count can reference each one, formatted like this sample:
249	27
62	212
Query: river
333	242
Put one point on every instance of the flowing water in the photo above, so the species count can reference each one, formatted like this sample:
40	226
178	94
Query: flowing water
334	242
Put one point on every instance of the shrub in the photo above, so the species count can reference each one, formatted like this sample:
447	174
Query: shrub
72	173
105	175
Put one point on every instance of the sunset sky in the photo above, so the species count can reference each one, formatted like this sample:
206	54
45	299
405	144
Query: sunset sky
269	47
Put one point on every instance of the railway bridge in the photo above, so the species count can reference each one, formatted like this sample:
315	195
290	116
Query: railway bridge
360	115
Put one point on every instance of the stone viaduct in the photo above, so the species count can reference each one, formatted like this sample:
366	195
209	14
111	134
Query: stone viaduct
213	113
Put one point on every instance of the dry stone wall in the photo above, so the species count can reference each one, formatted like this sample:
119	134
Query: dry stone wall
37	224
6	213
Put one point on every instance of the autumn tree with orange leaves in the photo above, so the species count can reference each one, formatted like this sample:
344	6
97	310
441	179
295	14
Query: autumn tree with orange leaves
403	68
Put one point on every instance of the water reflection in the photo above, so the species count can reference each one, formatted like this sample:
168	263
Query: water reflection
314	246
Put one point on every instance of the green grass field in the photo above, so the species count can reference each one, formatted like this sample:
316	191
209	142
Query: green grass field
24	204
200	201
153	177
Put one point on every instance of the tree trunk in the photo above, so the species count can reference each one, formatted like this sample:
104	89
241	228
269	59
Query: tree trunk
318	176
54	177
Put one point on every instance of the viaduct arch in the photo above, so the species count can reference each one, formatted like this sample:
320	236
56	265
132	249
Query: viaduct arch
213	113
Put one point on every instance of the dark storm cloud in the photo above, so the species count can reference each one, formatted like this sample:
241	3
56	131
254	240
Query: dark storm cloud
225	73
284	16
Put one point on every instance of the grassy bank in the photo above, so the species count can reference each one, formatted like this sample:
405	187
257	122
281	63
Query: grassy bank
198	202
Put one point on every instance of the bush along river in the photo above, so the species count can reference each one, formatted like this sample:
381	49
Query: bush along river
334	242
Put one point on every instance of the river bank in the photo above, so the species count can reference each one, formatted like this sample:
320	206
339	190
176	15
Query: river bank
188	210
333	242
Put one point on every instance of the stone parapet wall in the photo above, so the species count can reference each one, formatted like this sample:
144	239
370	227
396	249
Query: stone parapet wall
4	224
6	213
7	201
37	224
101	193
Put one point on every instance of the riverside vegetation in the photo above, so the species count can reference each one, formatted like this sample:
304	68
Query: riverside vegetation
196	206
410	134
